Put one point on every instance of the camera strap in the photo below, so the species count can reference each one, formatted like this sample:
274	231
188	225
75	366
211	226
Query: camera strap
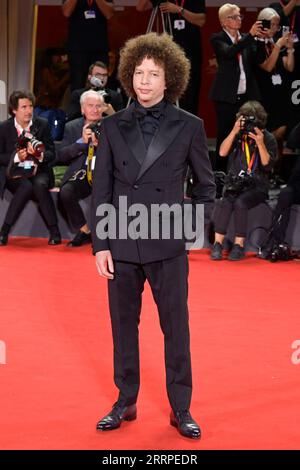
249	158
89	163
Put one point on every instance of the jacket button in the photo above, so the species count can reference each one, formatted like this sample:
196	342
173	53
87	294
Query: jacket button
135	186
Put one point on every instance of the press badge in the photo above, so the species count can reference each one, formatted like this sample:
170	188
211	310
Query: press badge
179	24
90	15
93	163
276	79
28	164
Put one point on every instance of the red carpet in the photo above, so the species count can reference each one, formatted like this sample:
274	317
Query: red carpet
58	377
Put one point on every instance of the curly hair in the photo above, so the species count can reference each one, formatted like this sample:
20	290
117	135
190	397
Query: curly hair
254	108
165	53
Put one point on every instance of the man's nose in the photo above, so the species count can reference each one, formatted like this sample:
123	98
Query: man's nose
145	78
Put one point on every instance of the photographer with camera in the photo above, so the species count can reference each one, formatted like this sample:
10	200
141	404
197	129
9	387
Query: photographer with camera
252	151
97	80
77	149
235	82
274	247
26	150
275	59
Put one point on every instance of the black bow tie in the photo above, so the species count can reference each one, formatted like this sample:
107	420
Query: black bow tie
154	111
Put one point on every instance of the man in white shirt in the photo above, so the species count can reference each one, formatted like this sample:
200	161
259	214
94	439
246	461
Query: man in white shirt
30	175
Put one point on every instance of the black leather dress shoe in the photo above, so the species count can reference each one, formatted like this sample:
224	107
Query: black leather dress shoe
114	419
185	424
81	238
3	239
54	240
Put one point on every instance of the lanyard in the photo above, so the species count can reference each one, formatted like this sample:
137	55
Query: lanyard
246	150
90	3
90	157
292	17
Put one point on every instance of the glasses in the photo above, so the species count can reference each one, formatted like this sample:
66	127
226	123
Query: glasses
235	17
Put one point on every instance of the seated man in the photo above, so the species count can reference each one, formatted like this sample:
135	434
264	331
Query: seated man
24	158
274	247
77	149
96	80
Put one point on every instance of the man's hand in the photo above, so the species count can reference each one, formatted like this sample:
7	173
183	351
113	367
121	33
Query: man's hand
105	264
22	154
86	133
168	7
108	109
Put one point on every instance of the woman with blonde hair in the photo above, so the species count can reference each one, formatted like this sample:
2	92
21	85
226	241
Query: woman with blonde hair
235	82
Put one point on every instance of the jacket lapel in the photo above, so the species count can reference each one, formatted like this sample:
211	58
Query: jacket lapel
167	132
132	134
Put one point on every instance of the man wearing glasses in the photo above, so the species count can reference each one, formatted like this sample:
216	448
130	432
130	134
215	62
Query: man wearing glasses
235	82
96	80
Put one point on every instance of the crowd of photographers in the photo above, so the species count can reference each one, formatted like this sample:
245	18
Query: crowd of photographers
255	116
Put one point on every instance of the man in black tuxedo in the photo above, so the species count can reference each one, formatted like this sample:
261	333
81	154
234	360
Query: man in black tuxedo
235	81
97	80
143	156
73	150
37	186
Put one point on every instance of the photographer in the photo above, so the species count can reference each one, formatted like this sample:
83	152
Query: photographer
81	137
275	248
235	82
252	151
275	58
26	149
97	80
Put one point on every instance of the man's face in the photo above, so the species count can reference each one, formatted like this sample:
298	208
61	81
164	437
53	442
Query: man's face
149	82
92	109
100	73
24	112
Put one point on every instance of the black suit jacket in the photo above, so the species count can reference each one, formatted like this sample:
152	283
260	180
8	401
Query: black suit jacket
8	140
74	108
70	152
124	167
225	85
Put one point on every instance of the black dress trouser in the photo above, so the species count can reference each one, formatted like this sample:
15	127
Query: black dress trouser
70	195
168	282
239	206
23	190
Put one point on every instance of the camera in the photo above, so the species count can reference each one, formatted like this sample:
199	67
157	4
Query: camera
285	29
280	252
248	123
26	138
236	184
96	129
266	24
97	85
